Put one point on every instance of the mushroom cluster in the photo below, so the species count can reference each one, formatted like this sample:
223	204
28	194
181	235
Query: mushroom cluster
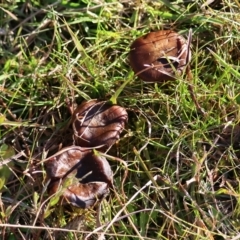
81	177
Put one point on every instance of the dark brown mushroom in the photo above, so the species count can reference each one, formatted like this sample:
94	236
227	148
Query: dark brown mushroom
79	176
159	56
98	124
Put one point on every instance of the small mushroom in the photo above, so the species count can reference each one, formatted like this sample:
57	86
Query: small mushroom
98	124
81	177
159	56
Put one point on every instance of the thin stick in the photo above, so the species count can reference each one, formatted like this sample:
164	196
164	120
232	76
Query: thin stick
191	91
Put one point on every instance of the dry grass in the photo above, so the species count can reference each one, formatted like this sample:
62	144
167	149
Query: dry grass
183	167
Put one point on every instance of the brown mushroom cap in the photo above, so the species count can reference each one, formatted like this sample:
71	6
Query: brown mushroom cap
86	195
82	176
98	124
158	56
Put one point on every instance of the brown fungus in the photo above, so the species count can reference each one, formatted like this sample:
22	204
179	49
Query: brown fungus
159	56
81	177
98	124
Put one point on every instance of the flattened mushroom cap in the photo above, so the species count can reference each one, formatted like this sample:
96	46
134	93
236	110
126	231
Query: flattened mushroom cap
158	56
98	124
82	176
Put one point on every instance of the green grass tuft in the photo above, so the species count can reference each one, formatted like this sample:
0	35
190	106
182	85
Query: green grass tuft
183	168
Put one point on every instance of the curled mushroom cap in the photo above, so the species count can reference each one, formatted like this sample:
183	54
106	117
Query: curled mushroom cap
98	124
80	176
83	195
159	56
